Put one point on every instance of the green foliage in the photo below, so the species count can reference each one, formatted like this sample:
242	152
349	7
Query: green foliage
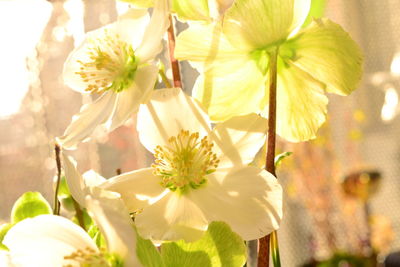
3	231
147	253
280	157
219	247
29	205
316	11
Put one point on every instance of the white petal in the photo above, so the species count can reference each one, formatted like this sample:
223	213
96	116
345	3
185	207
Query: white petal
248	199
75	180
137	188
159	23
128	100
168	112
87	120
5	259
112	217
239	139
173	217
92	178
131	26
45	240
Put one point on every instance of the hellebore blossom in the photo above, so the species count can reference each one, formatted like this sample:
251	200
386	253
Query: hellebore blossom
199	174
235	56
53	241
117	63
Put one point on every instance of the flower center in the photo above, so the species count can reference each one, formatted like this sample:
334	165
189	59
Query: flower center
185	161
88	257
111	64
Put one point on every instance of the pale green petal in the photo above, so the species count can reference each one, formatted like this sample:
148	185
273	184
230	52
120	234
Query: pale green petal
168	113
112	217
328	53
138	188
87	120
207	44
128	100
237	140
248	199
301	104
172	218
238	92
261	23
191	10
45	240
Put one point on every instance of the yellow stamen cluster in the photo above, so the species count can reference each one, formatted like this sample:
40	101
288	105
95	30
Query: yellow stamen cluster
185	161
111	64
87	257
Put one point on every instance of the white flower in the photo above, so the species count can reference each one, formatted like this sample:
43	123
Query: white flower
116	62
53	241
199	175
80	186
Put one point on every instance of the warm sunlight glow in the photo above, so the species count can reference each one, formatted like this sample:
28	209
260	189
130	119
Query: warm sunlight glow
18	42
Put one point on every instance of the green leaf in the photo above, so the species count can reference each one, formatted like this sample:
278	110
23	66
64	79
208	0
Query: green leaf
63	189
3	231
95	234
29	205
147	253
280	157
317	10
219	247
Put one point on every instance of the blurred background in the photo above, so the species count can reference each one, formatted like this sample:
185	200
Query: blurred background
341	190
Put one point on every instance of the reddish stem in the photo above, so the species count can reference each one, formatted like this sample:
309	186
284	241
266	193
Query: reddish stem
174	63
264	243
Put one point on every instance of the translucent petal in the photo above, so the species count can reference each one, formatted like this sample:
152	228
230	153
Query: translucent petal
260	23
173	217
207	44
45	240
328	53
112	217
249	199
92	178
220	94
191	10
167	113
74	179
87	120
138	188
128	100
5	259
301	104
151	45
237	140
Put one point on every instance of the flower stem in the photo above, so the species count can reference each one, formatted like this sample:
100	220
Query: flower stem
56	209
275	249
164	78
174	63
264	243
